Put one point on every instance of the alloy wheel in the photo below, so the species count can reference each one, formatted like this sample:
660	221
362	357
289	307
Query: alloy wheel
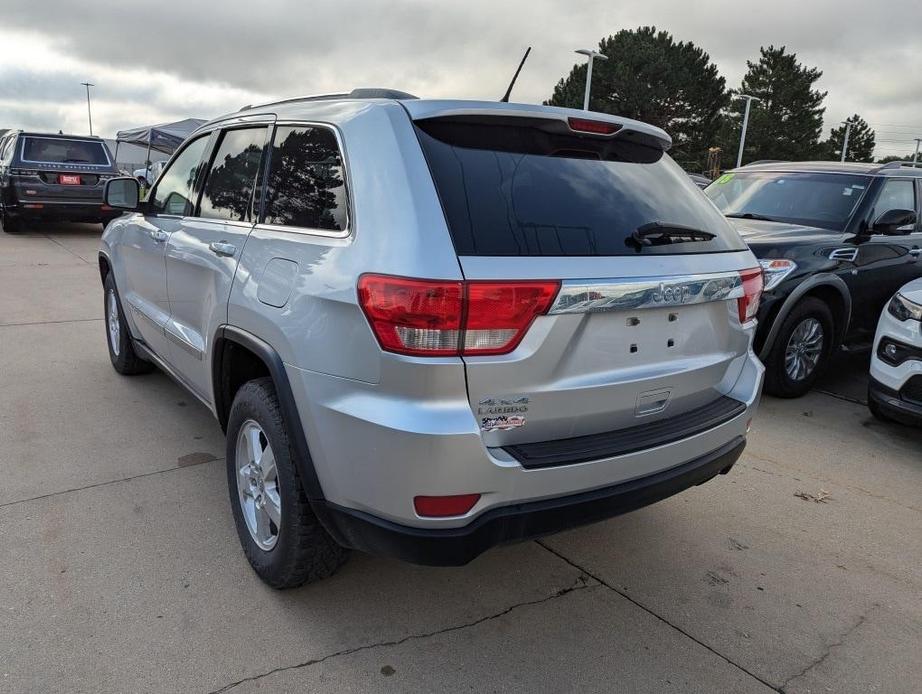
115	327
258	485
804	349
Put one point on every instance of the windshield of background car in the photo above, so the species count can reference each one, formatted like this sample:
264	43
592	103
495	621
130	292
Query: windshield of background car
530	190
57	150
824	200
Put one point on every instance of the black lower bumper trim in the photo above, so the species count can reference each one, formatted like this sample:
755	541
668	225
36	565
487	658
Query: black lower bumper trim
458	546
891	404
581	449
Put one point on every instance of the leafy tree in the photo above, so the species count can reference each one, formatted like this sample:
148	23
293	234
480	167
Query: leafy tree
786	124
892	157
651	77
860	141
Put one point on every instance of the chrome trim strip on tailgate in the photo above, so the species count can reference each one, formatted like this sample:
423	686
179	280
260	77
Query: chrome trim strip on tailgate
594	296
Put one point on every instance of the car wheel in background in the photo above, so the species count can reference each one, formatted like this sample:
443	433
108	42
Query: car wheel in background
281	537
11	225
121	350
801	349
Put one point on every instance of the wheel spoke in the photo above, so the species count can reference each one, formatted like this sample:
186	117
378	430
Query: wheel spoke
254	447
267	464
273	504
263	532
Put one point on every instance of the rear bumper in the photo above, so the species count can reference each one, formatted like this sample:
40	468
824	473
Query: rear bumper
83	210
893	405
515	522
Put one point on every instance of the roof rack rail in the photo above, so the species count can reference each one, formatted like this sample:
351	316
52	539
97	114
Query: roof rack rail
360	93
766	161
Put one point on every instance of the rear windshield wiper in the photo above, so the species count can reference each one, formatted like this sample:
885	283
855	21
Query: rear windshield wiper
751	215
659	233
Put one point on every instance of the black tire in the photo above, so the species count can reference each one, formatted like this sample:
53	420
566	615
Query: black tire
124	359
777	380
303	552
12	225
876	411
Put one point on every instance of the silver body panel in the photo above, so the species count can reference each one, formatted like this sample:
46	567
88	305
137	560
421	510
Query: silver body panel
383	427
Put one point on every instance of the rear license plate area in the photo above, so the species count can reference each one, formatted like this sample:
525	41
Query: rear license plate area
69	179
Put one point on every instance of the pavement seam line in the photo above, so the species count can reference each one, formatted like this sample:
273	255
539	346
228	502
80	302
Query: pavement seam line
579	584
665	621
827	651
50	322
104	484
73	253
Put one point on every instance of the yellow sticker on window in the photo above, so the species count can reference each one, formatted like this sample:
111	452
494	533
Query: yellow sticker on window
726	178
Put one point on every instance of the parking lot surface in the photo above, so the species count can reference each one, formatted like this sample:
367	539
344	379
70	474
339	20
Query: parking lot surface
799	571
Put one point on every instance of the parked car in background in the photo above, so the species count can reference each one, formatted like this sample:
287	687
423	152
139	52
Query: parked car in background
895	390
835	242
700	180
53	177
147	176
414	366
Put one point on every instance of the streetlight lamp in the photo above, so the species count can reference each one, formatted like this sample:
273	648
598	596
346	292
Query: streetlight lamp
591	55
89	113
749	100
848	130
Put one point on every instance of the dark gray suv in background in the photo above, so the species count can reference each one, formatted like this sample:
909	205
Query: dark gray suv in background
53	177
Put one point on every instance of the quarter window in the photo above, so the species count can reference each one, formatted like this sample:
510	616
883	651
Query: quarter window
173	194
229	187
306	185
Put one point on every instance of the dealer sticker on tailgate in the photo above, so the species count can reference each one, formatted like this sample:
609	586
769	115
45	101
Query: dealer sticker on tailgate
69	179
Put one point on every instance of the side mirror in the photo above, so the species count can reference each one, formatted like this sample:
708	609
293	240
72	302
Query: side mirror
895	222
122	193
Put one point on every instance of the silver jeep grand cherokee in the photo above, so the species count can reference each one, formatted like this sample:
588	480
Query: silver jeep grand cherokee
430	327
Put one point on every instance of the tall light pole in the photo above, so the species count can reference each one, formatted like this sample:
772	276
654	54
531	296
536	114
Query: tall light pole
848	130
749	100
89	112
592	55
915	157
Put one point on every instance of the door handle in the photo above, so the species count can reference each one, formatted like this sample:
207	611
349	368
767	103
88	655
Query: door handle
158	235
222	248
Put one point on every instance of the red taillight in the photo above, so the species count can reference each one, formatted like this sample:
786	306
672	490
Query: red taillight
597	127
445	318
440	506
748	304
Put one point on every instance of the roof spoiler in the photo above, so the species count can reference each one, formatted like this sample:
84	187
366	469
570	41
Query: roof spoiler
360	93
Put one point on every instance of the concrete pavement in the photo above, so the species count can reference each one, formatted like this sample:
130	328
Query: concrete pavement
122	571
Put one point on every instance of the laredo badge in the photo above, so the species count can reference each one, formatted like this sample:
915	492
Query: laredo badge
499	414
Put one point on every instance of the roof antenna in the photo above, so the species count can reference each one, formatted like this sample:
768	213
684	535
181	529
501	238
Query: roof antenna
505	98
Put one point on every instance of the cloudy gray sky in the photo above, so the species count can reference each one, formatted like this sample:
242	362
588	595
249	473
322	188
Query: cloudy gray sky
173	59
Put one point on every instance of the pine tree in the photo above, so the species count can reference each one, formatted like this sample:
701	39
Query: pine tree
651	77
860	141
786	124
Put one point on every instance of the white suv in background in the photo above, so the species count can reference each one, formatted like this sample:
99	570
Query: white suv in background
895	390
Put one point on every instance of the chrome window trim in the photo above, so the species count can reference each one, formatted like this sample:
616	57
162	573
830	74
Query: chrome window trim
308	231
630	294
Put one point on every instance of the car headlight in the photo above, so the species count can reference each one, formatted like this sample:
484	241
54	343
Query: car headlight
902	308
774	270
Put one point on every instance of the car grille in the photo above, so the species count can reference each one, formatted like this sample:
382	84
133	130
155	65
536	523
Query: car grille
636	438
912	391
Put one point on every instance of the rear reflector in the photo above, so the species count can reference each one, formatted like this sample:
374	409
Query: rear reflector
33	206
441	506
597	127
748	304
452	318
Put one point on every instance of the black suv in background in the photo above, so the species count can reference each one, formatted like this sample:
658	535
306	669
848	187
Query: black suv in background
835	241
53	177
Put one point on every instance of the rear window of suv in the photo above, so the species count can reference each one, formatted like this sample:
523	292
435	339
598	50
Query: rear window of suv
538	190
58	150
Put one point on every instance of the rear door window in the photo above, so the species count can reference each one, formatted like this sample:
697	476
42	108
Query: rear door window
306	186
228	190
533	190
59	150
